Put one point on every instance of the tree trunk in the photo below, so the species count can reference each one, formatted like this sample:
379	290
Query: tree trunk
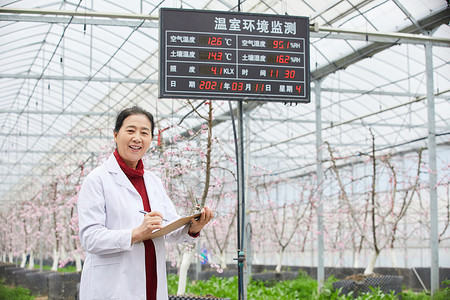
78	262
55	259
222	260
279	261
31	262
11	258
393	259
184	267
24	260
356	259
371	265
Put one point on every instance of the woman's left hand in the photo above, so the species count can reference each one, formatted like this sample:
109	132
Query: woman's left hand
197	225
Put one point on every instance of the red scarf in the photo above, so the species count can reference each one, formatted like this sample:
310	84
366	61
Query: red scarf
136	176
130	172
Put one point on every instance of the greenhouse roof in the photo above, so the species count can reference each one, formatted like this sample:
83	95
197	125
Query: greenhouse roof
68	67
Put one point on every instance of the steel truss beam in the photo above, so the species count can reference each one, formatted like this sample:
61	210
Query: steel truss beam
104	18
381	41
78	21
79	78
428	23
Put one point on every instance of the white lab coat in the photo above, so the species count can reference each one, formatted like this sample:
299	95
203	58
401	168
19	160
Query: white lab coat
108	210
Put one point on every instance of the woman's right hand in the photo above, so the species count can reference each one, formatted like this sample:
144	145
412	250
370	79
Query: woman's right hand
152	221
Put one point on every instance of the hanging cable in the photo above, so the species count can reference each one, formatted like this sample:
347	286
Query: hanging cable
237	167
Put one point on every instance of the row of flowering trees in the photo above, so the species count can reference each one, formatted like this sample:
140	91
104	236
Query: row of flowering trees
365	198
46	224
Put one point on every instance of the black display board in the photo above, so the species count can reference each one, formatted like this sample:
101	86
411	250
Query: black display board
233	56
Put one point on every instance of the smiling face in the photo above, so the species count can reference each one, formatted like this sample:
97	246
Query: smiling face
133	139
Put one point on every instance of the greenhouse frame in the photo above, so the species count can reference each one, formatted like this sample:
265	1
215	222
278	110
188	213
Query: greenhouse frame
357	177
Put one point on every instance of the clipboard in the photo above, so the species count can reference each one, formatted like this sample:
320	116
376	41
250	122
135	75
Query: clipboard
173	225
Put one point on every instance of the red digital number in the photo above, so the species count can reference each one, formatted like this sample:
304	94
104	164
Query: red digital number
273	73
207	85
215	41
259	87
298	88
283	59
289	74
237	86
215	55
216	71
280	44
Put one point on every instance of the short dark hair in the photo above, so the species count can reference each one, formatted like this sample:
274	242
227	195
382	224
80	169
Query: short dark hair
135	110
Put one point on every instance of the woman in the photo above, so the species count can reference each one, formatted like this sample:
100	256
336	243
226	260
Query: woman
121	261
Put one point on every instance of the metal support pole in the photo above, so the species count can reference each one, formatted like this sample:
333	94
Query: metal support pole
241	205
247	230
432	175
319	172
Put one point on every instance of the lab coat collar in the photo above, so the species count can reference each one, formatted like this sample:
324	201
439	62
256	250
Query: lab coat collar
154	198
113	167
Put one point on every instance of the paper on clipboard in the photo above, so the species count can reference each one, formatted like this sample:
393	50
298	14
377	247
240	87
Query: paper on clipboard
173	225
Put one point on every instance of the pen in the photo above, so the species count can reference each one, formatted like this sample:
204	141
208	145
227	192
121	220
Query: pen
146	212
